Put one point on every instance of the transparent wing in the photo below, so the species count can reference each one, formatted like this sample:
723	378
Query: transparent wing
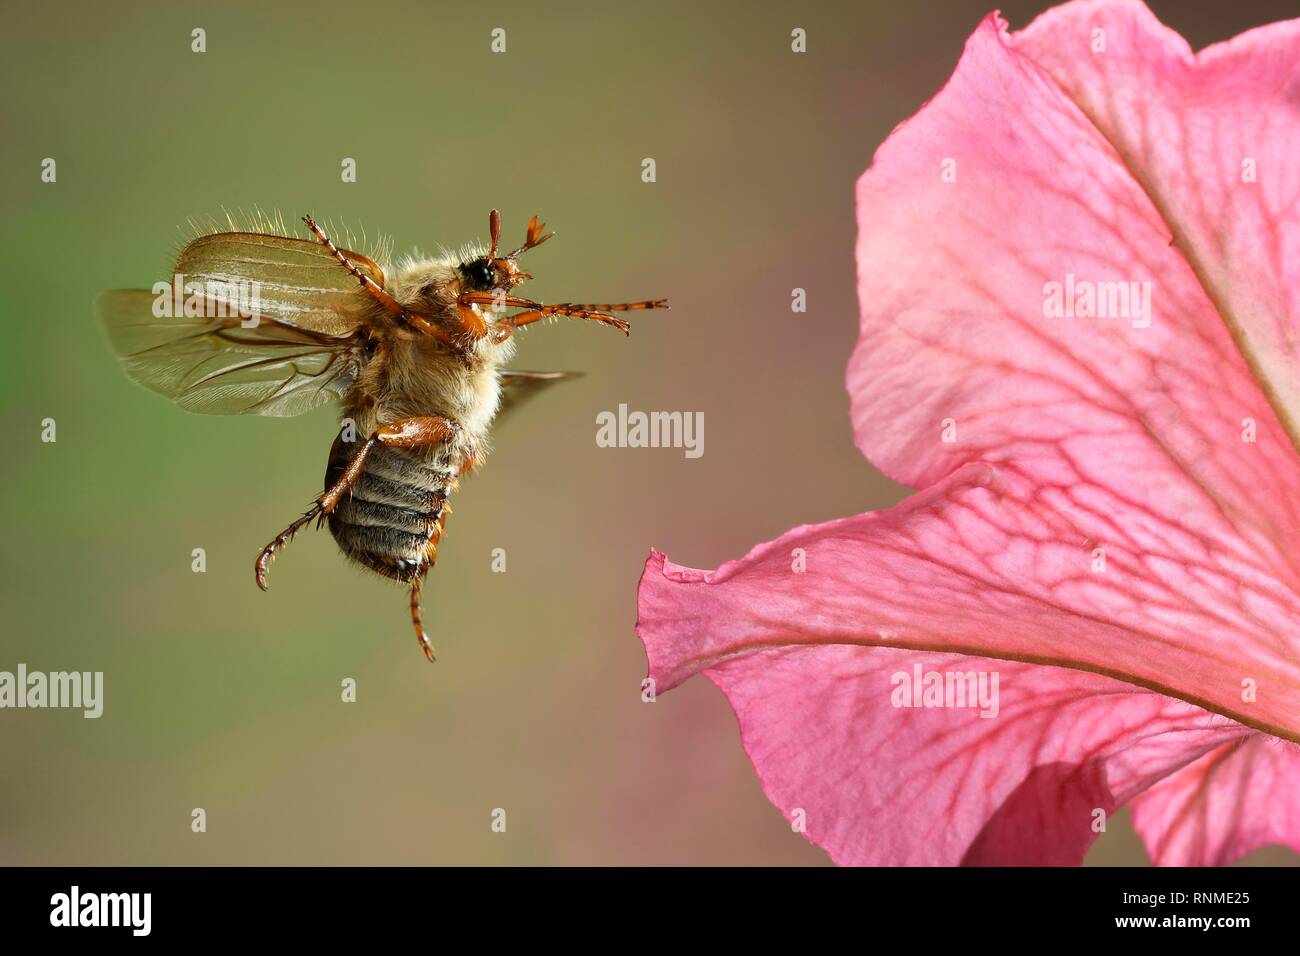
217	367
518	386
293	281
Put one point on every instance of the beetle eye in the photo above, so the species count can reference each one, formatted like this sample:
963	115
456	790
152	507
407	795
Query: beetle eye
481	275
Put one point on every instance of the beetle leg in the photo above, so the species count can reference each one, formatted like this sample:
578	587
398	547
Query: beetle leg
417	618
390	305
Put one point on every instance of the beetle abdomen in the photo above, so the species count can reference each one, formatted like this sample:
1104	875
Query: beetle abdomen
391	522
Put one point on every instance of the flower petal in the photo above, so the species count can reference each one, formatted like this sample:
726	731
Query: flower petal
1077	169
1152	438
1239	797
1212	139
878	785
1111	484
991	563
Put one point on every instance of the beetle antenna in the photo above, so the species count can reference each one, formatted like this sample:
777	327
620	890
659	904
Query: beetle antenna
494	227
533	239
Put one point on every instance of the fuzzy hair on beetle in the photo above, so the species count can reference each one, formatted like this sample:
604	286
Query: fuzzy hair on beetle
258	322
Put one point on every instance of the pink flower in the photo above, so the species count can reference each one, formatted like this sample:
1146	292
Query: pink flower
1079	278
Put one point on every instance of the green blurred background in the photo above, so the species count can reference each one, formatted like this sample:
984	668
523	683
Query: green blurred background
220	697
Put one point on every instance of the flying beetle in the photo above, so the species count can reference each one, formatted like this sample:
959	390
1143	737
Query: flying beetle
258	323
